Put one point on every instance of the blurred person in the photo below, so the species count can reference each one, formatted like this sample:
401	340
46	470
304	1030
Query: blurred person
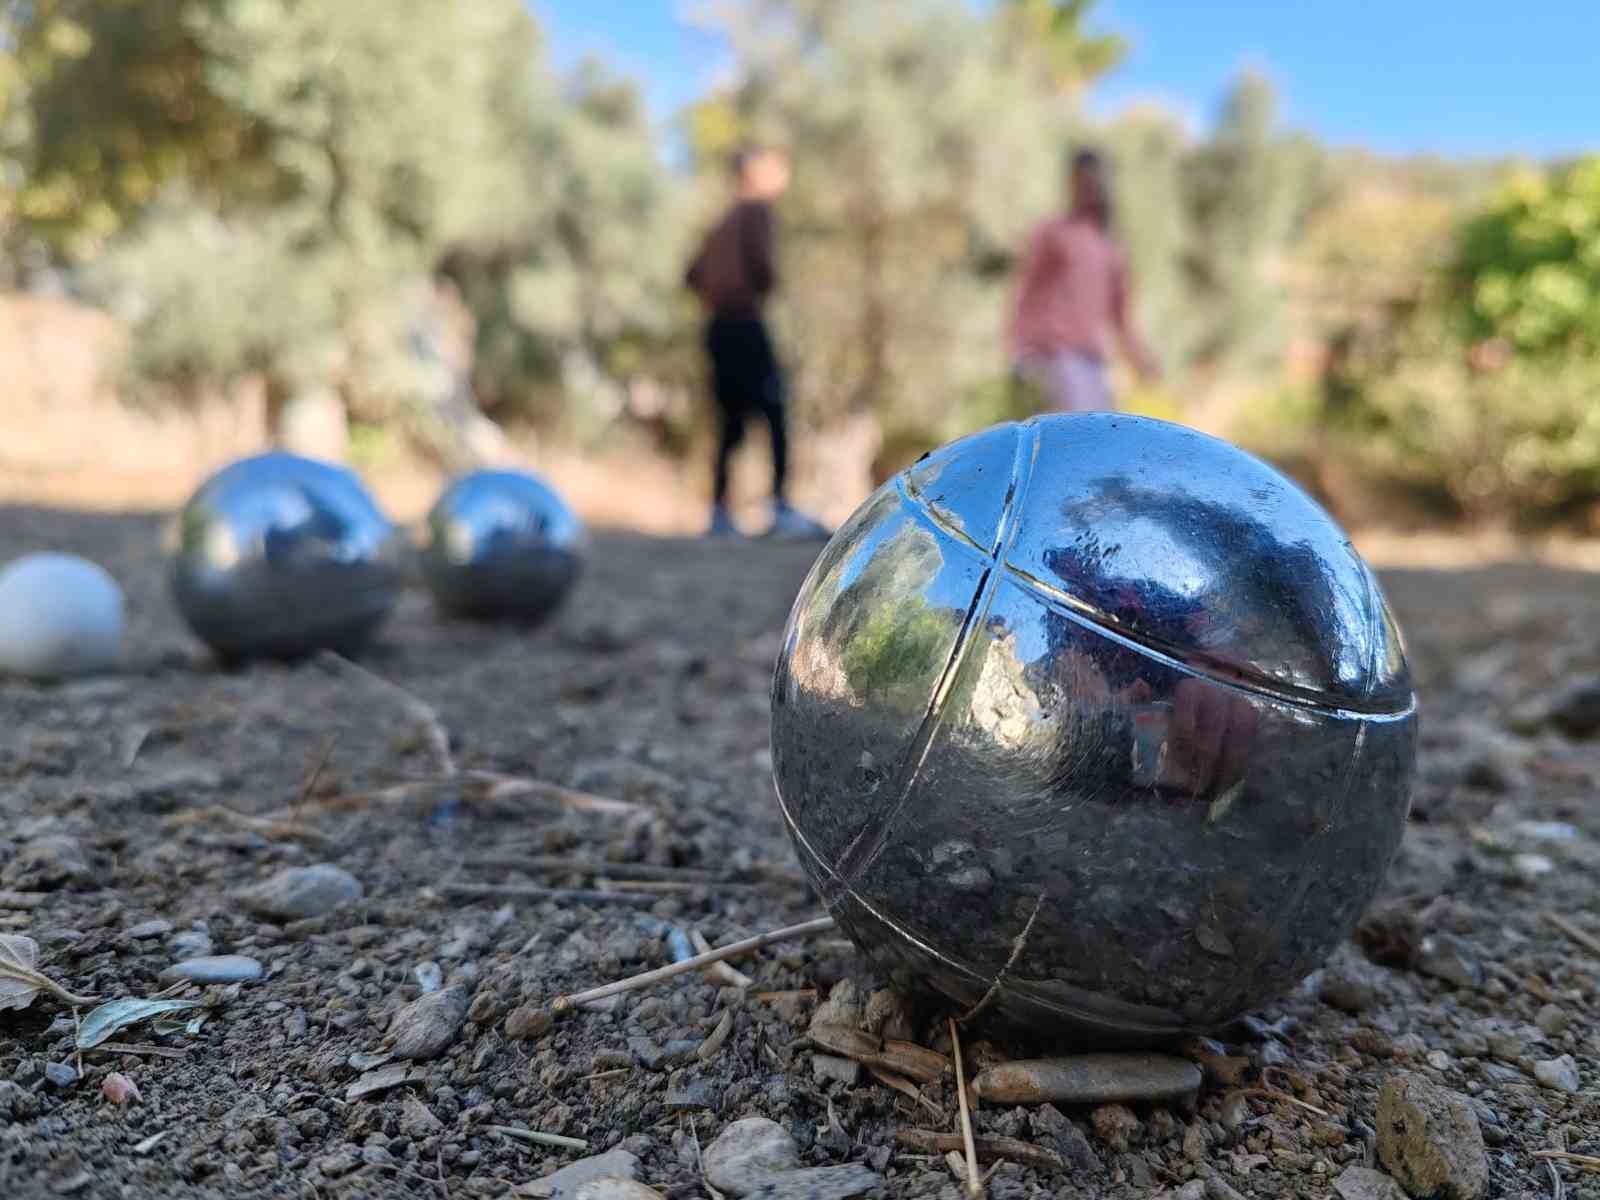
1073	300
733	274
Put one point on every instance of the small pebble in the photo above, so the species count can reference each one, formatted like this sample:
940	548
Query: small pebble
299	892
528	1021
1116	1126
119	1089
1447	957
694	1095
429	977
828	1067
1364	1183
616	1189
1065	1138
60	1075
1344	992
747	1153
1235	1112
191	943
1552	1020
224	968
1558	1073
148	929
423	1028
1430	1140
1531	867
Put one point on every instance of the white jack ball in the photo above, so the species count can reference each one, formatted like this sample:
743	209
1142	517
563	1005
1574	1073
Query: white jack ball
60	615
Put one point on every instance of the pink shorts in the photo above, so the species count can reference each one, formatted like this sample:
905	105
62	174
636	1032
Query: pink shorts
1070	380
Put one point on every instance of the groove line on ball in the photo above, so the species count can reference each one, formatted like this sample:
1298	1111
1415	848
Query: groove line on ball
925	508
869	843
1073	609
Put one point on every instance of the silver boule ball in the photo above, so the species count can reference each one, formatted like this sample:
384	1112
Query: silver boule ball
502	545
1096	725
277	556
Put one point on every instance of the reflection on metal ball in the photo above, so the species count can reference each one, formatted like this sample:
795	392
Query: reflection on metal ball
502	546
1094	724
277	556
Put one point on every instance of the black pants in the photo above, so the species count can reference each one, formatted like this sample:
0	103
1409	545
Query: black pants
746	380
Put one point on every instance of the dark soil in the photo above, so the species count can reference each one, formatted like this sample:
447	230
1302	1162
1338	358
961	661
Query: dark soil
651	687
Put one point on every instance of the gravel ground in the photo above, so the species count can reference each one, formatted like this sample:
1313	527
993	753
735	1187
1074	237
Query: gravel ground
150	817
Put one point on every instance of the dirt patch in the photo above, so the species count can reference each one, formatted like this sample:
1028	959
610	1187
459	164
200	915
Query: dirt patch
652	688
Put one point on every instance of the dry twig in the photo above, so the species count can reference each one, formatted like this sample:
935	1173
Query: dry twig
314	774
1267	1093
1589	1162
268	826
905	1087
974	1184
721	972
555	864
530	892
422	713
540	1139
1585	939
991	1148
633	983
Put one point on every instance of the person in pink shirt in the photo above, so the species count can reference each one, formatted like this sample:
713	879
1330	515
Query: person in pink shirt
1072	302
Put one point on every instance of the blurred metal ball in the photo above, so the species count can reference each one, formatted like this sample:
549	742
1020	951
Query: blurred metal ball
1094	724
502	545
277	556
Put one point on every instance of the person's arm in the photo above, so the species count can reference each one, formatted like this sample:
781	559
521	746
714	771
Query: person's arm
1133	345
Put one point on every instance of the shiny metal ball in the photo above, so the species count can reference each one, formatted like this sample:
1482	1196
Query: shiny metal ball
278	556
502	545
1095	725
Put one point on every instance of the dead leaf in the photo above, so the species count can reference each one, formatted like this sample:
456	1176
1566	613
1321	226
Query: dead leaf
115	1015
21	980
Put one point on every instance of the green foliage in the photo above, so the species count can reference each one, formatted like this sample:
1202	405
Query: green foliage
266	186
897	645
1250	190
106	102
1050	36
1479	386
1529	266
1522	439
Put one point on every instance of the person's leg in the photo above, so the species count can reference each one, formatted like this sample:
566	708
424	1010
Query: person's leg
787	522
1082	383
770	393
723	351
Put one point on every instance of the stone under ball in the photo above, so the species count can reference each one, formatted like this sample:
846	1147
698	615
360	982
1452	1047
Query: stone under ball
1094	725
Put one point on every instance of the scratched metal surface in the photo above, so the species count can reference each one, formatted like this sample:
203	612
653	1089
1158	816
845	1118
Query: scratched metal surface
1095	724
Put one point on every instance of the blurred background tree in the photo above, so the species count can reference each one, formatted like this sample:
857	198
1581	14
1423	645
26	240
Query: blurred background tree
276	189
401	213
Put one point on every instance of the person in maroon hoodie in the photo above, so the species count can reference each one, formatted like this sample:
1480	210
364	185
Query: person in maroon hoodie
733	274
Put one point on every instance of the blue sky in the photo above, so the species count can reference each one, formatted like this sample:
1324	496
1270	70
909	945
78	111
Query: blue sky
1464	77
